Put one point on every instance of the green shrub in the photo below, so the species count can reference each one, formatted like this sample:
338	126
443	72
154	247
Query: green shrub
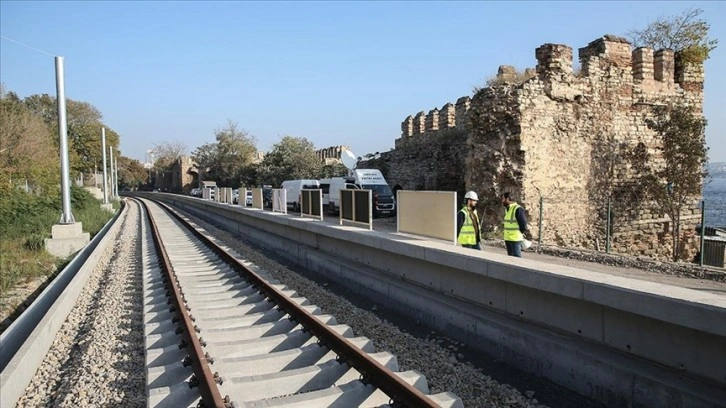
17	264
35	242
26	220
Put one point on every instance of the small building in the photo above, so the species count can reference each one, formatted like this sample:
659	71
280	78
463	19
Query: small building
714	248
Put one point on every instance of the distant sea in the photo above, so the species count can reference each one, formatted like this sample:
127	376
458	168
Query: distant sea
714	193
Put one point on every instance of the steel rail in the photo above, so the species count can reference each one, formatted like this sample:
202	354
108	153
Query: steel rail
400	392
204	378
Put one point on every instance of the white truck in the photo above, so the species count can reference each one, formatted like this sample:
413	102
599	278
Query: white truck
292	191
331	192
384	203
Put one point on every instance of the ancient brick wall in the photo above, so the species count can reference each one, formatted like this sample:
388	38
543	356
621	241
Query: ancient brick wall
560	136
180	177
431	160
431	151
188	177
330	154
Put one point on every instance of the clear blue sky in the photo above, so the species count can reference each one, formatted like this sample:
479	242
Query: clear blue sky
337	73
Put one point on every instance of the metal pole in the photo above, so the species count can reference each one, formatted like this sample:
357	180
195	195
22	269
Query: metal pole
105	179
703	230
110	169
115	176
67	216
607	232
539	238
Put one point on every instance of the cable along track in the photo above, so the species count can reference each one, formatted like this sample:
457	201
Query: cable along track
226	334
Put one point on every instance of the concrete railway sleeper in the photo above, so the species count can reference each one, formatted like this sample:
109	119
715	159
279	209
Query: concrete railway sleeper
202	378
266	345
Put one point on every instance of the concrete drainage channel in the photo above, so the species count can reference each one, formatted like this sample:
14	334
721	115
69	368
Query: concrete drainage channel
261	356
27	340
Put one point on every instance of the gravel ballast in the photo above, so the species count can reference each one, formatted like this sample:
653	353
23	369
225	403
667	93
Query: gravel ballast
97	358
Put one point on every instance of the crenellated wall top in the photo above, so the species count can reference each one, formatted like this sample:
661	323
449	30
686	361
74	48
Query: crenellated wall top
609	55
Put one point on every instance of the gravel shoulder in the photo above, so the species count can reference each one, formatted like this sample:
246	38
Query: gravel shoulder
97	357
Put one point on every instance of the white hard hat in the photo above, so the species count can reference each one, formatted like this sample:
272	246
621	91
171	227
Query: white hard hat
471	195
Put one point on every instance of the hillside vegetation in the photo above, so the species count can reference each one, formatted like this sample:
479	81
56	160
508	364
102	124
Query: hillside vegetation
30	197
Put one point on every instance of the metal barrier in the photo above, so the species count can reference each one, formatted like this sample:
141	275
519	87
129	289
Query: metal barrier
356	206
311	203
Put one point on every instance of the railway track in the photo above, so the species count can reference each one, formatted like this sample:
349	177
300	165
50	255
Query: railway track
221	332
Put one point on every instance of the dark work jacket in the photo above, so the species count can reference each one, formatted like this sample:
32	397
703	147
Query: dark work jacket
521	219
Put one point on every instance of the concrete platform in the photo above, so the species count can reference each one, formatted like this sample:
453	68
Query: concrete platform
67	239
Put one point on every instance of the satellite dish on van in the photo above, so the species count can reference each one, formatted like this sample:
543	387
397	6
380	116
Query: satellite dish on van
348	159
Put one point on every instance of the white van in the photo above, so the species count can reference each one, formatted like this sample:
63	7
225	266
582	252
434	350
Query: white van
292	190
331	192
384	203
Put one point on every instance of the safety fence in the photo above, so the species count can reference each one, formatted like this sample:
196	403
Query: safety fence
611	219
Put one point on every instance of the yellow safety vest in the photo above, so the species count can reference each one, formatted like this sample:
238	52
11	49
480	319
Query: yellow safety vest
467	235
511	226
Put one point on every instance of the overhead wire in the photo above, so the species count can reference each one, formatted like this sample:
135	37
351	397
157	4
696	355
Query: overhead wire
26	45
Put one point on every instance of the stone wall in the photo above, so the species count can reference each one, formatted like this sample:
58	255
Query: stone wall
330	155
431	160
181	177
558	137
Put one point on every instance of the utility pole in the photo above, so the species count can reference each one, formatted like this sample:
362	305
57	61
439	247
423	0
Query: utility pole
115	176
67	216
110	168
105	180
67	236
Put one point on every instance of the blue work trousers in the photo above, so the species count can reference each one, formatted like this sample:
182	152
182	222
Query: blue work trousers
514	248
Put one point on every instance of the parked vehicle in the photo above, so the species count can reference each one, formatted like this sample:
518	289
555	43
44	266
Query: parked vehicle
292	191
384	202
248	200
235	196
195	192
331	192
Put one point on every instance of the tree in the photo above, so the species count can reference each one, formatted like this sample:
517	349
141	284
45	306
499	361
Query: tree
291	158
204	156
26	152
131	173
229	160
336	169
236	150
83	125
678	180
167	153
686	34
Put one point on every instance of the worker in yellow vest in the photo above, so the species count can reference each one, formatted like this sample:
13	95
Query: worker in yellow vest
467	222
515	226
